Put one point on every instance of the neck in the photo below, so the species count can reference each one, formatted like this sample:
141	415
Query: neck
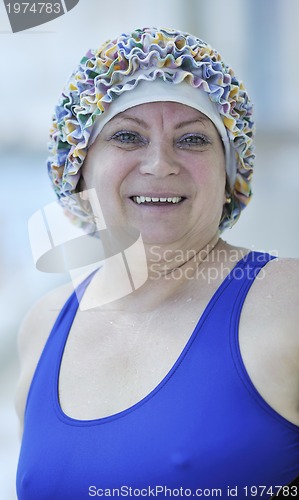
172	262
169	273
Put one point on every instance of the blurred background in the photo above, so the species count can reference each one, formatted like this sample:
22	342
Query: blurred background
258	38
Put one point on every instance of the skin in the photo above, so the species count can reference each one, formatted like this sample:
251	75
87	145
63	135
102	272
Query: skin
120	351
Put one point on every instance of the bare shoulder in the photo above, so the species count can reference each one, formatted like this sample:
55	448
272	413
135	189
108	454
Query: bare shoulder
281	280
275	295
33	335
284	268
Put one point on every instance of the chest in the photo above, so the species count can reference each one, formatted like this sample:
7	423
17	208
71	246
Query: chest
114	359
117	359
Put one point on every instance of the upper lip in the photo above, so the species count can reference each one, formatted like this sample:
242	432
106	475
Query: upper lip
158	195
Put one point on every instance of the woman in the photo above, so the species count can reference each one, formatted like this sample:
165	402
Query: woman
188	386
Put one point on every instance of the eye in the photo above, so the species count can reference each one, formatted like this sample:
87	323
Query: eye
193	140
128	137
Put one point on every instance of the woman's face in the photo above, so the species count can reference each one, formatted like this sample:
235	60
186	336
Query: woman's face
159	167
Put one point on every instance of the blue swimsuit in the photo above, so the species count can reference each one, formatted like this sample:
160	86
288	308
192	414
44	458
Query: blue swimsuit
204	428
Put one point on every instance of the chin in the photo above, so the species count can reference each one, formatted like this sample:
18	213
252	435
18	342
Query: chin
163	238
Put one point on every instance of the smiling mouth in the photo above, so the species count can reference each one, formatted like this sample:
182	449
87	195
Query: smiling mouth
155	200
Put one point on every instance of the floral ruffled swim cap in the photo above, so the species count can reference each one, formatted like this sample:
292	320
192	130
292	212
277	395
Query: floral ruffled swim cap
118	66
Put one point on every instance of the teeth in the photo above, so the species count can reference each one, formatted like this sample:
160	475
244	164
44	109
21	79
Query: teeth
143	199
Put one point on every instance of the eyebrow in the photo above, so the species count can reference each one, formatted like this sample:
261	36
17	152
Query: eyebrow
123	116
202	120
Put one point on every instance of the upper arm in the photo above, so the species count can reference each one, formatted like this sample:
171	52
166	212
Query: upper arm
272	309
32	337
280	304
269	334
283	286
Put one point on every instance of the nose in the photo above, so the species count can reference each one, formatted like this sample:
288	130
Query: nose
160	160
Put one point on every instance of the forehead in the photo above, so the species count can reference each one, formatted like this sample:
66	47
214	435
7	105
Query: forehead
173	113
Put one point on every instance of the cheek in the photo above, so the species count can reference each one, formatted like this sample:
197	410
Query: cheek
98	172
210	177
105	175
